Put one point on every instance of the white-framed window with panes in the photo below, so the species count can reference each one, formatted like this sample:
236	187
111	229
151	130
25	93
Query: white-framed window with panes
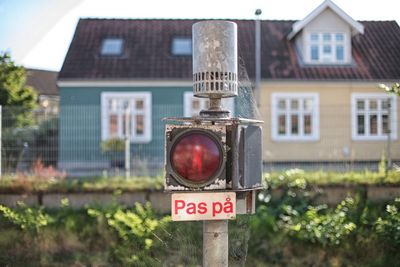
126	113
327	48
373	116
295	116
193	105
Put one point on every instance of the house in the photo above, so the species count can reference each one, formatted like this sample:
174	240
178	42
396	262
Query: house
321	87
45	84
319	98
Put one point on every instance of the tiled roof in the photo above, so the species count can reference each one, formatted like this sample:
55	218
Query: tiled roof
147	54
43	81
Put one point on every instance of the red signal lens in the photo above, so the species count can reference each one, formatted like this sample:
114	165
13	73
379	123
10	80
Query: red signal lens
196	157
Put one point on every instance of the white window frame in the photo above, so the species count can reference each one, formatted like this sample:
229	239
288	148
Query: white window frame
112	47
393	117
323	59
227	103
132	96
314	136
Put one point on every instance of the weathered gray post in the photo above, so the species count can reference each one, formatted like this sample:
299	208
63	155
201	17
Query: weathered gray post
127	139
215	243
215	60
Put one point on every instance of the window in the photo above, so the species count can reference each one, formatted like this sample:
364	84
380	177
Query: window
295	116
112	47
327	48
193	105
370	116
181	46
119	109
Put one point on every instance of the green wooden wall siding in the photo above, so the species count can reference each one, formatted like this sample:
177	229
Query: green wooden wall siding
80	122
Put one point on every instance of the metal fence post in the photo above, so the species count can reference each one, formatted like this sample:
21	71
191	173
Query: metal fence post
258	56
389	136
127	144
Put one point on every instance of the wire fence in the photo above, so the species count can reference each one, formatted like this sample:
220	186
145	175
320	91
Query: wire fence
74	140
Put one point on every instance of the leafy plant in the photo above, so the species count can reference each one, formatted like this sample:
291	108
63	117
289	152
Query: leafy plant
388	226
16	145
112	145
28	219
19	98
139	233
319	225
394	89
40	171
46	141
281	179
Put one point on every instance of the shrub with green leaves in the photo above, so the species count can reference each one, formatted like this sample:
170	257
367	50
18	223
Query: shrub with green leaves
388	226
28	219
319	224
139	234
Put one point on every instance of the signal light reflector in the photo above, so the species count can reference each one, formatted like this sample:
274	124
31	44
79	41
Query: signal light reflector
196	157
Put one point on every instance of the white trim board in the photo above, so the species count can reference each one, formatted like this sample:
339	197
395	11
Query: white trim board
299	25
122	83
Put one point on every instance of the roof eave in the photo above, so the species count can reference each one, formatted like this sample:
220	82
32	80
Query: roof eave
357	27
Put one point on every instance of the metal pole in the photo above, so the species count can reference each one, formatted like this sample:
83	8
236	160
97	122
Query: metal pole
215	66
127	144
258	56
389	137
215	244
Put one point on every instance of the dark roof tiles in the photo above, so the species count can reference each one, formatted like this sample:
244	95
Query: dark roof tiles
147	52
43	81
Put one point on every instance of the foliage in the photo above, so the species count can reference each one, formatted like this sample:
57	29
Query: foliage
388	226
394	89
117	236
294	179
139	234
15	93
318	224
22	146
289	230
27	218
301	177
40	172
16	146
46	142
30	183
113	145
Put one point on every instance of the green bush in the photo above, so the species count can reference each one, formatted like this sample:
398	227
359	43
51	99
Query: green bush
139	234
27	218
388	226
281	179
288	230
319	224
